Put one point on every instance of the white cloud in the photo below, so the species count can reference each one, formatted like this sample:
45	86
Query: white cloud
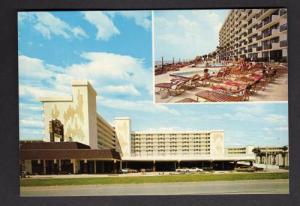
33	68
34	93
139	105
121	89
105	27
49	25
109	73
30	107
79	32
141	18
108	68
31	123
276	118
186	34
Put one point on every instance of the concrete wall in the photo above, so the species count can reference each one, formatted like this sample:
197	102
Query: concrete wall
217	143
123	134
77	113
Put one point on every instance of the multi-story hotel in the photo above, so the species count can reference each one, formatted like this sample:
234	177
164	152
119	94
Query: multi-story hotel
257	34
84	142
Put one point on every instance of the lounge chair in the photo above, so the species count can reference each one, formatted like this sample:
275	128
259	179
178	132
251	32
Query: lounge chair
190	82
177	89
172	88
186	100
213	96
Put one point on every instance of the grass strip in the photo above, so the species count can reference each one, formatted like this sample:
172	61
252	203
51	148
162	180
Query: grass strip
150	179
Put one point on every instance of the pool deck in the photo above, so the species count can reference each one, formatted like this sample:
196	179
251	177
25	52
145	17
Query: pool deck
275	91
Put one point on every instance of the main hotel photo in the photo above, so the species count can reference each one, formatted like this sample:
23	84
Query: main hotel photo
87	116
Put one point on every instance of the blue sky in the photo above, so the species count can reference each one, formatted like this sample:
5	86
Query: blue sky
186	33
113	50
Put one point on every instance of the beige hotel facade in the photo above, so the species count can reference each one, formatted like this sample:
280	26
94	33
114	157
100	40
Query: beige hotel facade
90	142
256	34
84	125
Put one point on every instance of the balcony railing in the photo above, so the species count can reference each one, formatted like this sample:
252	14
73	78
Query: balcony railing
249	12
283	43
267	46
268	33
258	14
268	20
259	26
283	27
282	12
259	37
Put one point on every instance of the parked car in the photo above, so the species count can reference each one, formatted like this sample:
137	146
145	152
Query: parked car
124	170
184	169
128	170
195	169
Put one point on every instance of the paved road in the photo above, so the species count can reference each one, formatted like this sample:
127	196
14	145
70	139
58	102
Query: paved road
188	188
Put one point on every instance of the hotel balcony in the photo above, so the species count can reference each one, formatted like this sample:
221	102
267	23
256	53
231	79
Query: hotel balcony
284	43
282	12
258	26
243	22
267	46
253	49
275	32
267	34
259	48
283	27
259	37
250	31
275	46
259	14
283	37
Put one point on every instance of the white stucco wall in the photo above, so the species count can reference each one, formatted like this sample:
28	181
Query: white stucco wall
217	143
77	113
123	133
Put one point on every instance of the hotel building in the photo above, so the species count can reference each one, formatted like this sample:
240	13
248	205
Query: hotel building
89	144
256	34
79	116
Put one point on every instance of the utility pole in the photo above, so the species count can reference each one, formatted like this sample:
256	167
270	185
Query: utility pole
266	160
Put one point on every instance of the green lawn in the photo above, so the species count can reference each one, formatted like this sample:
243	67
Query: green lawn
151	179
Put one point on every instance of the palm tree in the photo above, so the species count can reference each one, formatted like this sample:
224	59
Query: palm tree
284	148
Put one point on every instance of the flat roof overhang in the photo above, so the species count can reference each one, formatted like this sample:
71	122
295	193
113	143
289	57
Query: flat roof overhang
193	158
64	154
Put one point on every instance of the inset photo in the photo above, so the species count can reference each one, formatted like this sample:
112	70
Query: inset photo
236	55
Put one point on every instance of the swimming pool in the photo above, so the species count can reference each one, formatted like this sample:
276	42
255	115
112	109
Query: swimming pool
210	65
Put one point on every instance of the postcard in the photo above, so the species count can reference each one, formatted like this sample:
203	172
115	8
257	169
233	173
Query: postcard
166	102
